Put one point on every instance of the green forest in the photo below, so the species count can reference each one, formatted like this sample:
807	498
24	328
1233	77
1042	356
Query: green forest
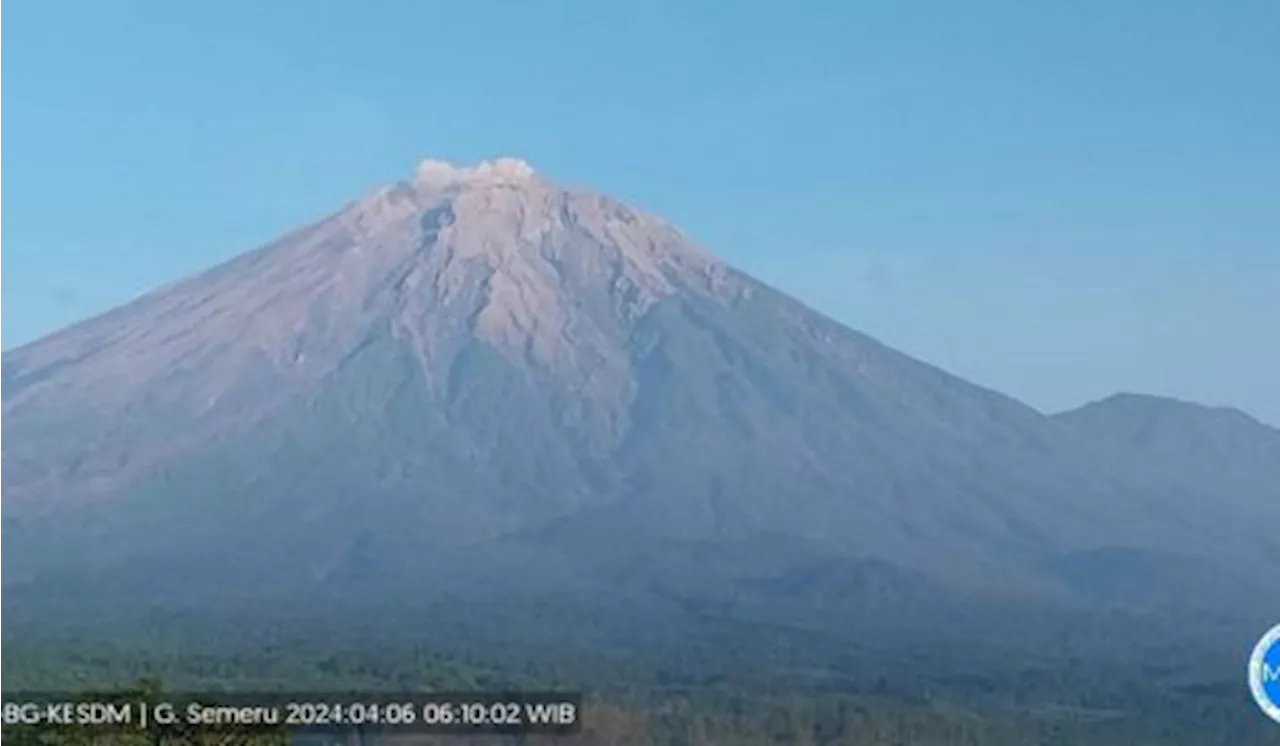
630	700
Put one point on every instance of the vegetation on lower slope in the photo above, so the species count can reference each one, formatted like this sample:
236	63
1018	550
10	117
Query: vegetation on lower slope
636	698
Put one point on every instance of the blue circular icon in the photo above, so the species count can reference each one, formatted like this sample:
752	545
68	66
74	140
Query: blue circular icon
1264	673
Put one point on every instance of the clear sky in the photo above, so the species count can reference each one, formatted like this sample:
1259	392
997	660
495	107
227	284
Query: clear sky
1056	199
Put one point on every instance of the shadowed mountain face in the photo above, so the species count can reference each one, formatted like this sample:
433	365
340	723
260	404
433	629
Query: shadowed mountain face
478	380
1191	450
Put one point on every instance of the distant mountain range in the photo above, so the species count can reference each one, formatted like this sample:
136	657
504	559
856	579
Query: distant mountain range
478	384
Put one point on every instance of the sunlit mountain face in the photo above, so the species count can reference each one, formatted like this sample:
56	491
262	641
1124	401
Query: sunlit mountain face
479	384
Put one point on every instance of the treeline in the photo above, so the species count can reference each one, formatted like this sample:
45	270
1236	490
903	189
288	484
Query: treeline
722	716
747	688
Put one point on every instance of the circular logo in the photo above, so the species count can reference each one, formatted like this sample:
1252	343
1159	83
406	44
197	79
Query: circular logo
1264	673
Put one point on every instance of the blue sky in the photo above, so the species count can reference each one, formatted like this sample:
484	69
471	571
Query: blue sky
1059	200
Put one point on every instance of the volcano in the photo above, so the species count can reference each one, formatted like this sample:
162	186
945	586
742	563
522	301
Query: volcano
476	381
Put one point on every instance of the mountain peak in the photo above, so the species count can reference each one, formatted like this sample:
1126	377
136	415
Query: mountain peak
433	172
456	369
1151	405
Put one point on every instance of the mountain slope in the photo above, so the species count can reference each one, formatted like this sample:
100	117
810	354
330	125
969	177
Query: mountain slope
1189	443
478	378
1214	461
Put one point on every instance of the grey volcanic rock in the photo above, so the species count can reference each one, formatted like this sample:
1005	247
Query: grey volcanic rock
478	376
